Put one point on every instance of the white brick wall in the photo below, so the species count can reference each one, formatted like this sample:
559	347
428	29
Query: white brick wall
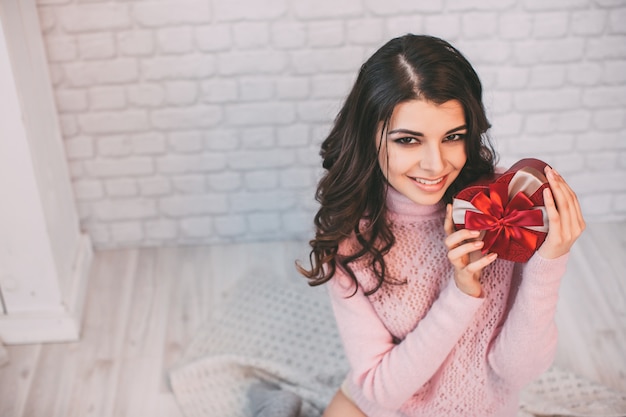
199	122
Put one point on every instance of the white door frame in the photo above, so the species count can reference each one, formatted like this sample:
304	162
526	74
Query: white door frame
44	257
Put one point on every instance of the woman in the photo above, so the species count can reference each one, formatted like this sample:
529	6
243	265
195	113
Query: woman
429	327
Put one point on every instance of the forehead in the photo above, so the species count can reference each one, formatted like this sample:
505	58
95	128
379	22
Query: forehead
424	115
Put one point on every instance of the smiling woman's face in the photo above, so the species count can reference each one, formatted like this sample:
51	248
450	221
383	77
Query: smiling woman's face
423	149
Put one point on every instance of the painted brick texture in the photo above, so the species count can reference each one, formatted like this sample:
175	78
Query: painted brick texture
199	122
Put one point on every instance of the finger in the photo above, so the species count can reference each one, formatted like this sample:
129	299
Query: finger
564	187
554	223
477	266
553	245
572	218
577	221
579	215
448	225
562	196
569	209
459	256
559	190
564	216
456	238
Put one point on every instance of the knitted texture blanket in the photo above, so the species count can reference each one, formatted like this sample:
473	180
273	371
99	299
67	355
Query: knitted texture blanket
285	333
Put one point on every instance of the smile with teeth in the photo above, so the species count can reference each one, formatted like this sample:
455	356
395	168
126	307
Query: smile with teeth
428	182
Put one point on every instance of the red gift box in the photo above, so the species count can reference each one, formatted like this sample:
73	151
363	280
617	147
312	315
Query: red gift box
508	209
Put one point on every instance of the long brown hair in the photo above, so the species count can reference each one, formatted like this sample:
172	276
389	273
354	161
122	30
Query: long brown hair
353	187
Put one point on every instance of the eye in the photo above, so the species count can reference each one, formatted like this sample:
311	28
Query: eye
407	140
455	137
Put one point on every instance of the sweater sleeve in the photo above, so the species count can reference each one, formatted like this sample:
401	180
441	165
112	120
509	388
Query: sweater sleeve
526	343
388	373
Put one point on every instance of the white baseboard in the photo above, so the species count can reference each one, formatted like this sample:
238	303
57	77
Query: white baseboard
57	326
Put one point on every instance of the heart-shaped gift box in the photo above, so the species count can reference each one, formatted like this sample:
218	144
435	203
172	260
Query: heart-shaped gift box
508	209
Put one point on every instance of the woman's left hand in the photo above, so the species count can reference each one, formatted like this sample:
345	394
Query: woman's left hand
565	219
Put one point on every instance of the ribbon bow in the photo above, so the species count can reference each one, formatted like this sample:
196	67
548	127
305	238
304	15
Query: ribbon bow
502	219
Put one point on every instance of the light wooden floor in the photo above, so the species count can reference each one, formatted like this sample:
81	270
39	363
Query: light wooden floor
144	305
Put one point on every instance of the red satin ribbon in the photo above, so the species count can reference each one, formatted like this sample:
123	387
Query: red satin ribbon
503	220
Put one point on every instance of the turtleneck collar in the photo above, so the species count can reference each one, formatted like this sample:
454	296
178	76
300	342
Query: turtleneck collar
400	205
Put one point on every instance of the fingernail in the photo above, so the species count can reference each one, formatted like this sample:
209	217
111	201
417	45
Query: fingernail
479	243
475	232
547	195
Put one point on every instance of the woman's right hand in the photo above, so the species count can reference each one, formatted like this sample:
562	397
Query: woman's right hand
462	245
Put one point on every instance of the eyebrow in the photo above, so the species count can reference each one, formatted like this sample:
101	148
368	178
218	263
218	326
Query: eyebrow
414	133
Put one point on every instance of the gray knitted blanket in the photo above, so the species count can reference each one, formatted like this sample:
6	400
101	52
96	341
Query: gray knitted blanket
285	333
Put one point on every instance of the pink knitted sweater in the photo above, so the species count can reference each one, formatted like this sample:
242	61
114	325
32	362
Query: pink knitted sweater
420	347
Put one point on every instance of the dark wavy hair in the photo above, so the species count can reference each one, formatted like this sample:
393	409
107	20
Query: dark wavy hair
353	188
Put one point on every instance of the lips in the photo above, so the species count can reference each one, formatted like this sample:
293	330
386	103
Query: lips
430	185
427	181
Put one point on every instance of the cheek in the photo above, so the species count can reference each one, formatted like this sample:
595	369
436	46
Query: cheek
462	161
458	157
393	161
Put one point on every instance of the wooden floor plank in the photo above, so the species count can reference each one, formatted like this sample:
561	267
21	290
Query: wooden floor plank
104	329
16	378
65	380
165	405
78	379
190	303
143	344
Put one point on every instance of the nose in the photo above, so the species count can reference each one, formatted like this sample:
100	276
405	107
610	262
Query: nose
432	159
